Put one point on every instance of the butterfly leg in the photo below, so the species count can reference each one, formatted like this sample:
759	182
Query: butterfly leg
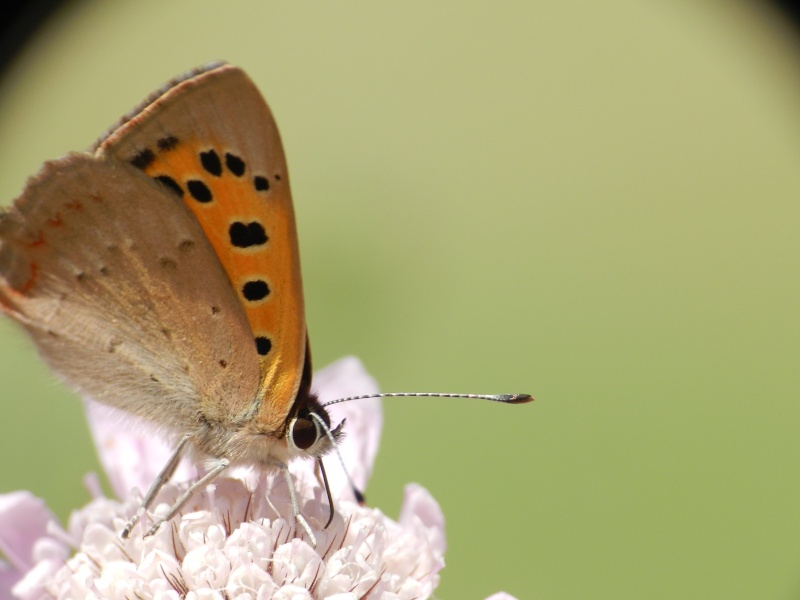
295	504
160	480
322	478
219	466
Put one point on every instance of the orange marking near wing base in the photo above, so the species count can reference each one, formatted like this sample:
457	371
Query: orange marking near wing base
28	285
39	241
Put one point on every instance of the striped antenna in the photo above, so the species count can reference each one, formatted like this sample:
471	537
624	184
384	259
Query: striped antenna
503	398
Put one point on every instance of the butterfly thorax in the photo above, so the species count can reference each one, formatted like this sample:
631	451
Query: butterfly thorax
248	442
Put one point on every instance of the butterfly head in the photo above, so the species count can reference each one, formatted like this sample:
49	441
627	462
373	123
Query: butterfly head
309	432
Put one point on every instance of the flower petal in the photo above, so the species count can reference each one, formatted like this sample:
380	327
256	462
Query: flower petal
501	596
23	520
292	592
131	453
8	577
420	507
344	378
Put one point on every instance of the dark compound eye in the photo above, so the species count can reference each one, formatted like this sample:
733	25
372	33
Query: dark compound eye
304	433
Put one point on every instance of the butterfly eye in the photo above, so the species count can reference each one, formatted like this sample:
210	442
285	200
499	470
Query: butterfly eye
303	433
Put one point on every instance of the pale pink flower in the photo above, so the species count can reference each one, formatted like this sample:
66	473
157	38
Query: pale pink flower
239	538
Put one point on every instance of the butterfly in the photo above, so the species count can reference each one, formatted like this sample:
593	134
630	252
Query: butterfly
159	273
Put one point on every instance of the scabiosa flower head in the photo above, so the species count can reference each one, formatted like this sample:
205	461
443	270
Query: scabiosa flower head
236	540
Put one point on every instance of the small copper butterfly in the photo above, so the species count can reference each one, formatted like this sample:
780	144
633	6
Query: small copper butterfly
159	274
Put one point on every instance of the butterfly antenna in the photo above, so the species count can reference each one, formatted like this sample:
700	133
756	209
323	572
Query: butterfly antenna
502	398
329	434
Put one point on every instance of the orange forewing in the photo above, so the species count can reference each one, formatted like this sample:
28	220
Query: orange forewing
212	140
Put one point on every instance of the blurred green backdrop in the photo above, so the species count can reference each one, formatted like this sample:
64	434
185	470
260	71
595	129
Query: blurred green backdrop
596	203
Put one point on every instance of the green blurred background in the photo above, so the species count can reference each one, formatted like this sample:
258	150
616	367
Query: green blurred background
596	203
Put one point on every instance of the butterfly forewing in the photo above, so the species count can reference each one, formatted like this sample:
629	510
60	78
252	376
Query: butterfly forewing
212	142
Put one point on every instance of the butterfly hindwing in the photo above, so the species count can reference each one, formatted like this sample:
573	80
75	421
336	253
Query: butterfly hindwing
123	295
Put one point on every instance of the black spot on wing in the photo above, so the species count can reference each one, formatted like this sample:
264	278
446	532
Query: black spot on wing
169	183
235	164
167	143
255	290
199	190
263	345
211	162
143	159
260	183
245	235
